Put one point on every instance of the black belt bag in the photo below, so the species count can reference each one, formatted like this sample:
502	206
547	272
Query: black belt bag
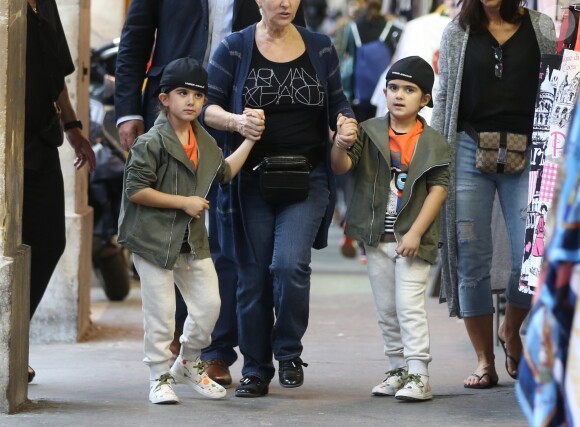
284	179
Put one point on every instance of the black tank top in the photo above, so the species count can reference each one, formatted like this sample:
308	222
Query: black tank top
292	97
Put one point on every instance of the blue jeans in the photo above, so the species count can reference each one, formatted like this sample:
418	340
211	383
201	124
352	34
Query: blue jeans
224	337
274	292
475	193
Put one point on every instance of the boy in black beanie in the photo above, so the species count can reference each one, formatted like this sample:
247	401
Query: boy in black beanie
401	175
168	174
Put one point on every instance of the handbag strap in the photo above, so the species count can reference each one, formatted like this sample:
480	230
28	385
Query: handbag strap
356	35
468	129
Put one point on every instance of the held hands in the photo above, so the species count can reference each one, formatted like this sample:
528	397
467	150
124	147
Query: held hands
129	131
83	149
409	244
194	206
250	124
346	132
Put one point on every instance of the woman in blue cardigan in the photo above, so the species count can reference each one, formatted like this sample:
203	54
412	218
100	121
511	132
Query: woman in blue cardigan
289	77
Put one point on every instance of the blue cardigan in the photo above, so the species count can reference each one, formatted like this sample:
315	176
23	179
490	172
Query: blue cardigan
228	70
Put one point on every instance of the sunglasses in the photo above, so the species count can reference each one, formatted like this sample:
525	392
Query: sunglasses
498	55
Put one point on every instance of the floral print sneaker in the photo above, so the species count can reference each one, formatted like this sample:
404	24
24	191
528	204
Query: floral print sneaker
161	390
392	383
193	374
416	389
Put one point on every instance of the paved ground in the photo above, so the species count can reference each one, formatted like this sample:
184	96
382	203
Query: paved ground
102	382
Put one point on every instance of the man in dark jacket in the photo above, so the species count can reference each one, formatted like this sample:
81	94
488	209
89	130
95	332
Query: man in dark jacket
162	31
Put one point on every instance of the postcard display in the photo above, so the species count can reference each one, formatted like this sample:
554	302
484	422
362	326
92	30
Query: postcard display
548	384
557	91
559	77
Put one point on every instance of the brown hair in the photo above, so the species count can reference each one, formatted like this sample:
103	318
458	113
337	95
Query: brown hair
373	9
472	14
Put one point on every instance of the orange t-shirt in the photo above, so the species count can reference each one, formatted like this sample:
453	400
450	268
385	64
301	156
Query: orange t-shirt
191	148
402	148
403	145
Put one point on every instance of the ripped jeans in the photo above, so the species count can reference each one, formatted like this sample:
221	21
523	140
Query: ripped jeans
475	193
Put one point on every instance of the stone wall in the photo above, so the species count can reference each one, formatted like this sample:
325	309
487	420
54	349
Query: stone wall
14	258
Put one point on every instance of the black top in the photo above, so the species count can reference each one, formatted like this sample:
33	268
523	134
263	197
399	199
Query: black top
292	97
48	61
370	29
507	104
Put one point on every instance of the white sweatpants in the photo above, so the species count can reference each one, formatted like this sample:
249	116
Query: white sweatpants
399	285
198	283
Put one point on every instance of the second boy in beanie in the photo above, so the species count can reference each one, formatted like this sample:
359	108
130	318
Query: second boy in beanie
402	174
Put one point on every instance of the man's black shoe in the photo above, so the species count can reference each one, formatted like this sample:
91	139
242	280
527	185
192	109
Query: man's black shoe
290	372
252	387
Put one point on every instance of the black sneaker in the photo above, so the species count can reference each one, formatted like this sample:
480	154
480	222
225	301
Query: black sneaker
290	372
31	374
251	386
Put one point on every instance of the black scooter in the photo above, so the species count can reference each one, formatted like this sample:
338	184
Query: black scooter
106	182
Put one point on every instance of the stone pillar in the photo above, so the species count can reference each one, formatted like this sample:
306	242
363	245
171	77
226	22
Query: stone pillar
14	257
63	314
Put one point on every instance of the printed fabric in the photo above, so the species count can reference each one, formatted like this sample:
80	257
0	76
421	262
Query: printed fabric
550	369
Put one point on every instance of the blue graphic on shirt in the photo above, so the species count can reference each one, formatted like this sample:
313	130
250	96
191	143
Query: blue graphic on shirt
397	184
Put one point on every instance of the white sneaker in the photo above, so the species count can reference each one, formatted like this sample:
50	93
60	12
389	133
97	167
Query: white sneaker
416	388
194	375
161	390
392	383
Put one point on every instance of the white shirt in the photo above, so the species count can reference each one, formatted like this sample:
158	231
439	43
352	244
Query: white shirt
221	13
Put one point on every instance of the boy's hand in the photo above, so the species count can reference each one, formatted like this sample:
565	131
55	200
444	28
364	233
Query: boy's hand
409	244
251	123
346	124
346	132
194	206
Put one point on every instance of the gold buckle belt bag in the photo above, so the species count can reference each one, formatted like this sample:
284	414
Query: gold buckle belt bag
501	152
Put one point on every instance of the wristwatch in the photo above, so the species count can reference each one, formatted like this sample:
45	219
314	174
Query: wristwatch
73	124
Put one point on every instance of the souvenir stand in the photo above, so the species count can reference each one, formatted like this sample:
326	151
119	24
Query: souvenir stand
547	387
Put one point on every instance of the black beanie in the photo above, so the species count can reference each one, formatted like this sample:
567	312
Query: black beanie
416	70
183	72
